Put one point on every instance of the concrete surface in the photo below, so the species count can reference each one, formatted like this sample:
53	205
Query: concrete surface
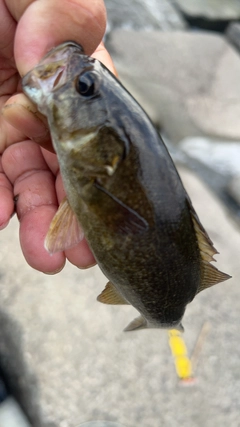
101	424
69	362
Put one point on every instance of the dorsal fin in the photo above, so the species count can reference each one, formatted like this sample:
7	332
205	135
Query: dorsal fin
211	275
111	296
204	242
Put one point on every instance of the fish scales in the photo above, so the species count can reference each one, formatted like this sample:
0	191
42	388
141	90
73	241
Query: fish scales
124	189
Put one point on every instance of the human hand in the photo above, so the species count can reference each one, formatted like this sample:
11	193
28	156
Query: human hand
29	172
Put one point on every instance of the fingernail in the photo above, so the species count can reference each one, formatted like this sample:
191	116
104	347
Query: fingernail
51	273
87	266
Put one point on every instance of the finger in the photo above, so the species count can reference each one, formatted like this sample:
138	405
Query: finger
80	255
23	115
103	56
47	23
34	187
18	7
52	162
9	135
6	199
7	30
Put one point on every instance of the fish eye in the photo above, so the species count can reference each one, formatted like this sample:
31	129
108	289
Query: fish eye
86	84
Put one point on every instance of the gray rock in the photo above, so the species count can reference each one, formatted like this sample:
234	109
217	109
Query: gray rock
211	9
187	82
69	362
11	415
221	156
233	34
233	189
143	14
218	163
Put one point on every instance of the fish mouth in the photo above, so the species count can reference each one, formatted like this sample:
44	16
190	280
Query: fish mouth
64	50
51	72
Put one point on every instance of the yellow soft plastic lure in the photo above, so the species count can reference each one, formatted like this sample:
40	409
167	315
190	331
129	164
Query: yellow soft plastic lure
179	351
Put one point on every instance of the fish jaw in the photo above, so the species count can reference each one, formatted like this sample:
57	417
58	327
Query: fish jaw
36	91
39	83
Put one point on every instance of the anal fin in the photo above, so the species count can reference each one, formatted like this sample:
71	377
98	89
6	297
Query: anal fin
111	296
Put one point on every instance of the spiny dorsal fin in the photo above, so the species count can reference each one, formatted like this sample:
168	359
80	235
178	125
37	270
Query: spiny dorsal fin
111	296
205	244
138	323
64	231
211	276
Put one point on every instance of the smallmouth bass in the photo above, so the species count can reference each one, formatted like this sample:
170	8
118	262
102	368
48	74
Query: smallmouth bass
123	188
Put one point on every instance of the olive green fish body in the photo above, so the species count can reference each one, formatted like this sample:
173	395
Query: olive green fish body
124	188
152	258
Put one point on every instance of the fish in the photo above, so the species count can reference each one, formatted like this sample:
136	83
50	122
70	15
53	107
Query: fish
122	189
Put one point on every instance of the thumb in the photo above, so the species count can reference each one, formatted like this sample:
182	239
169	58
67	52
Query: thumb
47	23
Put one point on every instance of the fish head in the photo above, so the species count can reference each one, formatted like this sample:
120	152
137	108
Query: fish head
76	93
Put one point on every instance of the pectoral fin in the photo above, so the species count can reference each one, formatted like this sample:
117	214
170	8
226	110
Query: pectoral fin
138	323
64	231
129	220
111	296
